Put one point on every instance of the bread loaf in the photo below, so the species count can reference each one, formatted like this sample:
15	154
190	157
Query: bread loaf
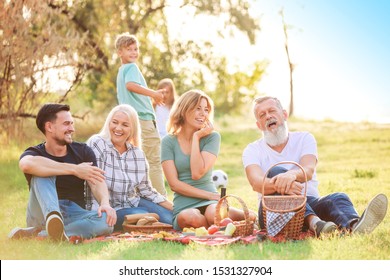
147	220
132	219
142	222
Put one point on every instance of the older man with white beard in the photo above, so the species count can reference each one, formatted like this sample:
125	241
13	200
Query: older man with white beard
323	214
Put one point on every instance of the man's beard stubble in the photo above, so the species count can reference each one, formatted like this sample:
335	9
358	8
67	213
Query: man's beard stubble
64	141
277	136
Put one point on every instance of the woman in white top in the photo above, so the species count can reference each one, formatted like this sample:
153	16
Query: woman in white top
162	111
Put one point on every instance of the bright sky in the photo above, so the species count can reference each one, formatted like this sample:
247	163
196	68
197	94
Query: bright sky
341	49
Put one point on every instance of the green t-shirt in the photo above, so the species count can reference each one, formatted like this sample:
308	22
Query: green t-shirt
170	150
142	104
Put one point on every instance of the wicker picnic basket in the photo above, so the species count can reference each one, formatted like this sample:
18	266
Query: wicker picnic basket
284	204
244	227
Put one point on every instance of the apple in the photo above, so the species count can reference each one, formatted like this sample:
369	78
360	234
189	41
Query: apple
213	229
225	222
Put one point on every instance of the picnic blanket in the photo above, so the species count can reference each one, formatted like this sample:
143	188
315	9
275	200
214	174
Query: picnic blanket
178	237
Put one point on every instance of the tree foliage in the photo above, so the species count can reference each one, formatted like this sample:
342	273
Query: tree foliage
34	39
75	40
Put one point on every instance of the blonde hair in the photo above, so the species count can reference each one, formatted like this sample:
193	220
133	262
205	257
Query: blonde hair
168	83
187	102
124	40
135	135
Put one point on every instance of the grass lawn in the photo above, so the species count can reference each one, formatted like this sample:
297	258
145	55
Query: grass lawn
353	158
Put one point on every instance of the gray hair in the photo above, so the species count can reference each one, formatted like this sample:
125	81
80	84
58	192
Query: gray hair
261	99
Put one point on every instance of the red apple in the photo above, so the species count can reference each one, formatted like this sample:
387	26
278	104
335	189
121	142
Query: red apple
225	222
213	229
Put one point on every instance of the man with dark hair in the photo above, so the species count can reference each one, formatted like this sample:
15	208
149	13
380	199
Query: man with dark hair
56	171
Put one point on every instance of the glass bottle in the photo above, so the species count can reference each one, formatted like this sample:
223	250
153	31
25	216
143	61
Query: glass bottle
224	209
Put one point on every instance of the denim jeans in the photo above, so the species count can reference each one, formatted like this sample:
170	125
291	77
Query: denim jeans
144	206
78	221
335	207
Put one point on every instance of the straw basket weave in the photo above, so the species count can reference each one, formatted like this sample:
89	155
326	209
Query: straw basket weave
284	204
243	228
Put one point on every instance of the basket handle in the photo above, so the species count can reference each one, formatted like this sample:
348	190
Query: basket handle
217	217
284	162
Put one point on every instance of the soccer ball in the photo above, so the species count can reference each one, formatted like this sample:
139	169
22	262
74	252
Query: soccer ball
220	179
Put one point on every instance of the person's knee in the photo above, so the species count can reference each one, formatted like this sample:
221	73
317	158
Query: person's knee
334	200
209	213
340	196
191	217
100	225
275	171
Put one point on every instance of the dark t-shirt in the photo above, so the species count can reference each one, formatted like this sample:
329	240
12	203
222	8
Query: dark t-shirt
68	186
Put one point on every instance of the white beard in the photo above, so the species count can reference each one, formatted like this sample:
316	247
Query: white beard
277	136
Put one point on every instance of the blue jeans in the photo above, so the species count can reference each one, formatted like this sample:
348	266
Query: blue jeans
335	207
78	221
144	206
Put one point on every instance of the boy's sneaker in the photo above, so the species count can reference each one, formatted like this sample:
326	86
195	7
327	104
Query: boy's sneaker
323	227
372	216
55	228
18	233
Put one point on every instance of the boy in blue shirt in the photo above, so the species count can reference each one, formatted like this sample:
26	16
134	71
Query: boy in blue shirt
133	90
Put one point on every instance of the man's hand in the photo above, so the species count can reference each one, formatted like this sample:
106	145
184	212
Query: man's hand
295	189
90	173
285	183
111	214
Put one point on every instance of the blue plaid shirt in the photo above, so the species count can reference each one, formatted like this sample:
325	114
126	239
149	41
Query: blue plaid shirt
126	175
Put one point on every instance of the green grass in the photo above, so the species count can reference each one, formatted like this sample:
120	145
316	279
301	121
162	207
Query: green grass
353	158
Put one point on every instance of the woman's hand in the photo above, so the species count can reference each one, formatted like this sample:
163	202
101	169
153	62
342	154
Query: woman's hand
214	196
167	205
111	214
205	130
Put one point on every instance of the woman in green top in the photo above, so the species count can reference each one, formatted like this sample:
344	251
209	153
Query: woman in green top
188	154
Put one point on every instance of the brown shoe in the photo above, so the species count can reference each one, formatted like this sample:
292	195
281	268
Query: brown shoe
55	228
19	233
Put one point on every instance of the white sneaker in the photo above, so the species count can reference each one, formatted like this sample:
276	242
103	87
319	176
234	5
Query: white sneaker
372	216
55	228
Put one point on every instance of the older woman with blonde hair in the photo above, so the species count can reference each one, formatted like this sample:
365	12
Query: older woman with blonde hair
118	153
188	154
